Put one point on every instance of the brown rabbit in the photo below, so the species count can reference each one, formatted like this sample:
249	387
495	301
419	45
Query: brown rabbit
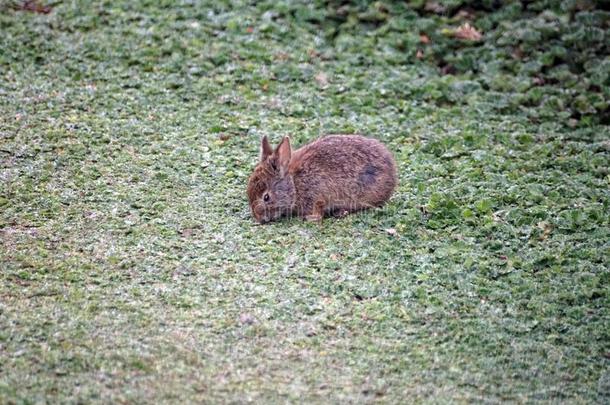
336	175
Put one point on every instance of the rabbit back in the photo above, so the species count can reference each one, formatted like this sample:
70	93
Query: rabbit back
343	173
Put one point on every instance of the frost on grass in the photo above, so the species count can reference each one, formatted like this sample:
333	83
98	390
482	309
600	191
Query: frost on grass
132	271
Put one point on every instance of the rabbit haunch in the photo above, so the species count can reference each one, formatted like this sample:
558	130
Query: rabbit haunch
333	175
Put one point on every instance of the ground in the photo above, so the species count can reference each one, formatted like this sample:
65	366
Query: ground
132	271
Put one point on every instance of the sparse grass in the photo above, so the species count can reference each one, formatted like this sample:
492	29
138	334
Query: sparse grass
132	271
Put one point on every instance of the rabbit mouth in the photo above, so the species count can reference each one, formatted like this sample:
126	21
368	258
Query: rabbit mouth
261	216
268	216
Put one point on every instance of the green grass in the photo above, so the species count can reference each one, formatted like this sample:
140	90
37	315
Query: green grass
131	270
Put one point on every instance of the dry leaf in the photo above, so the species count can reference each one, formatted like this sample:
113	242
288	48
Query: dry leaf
419	54
322	79
246	319
517	53
468	32
435	7
546	229
391	231
465	14
282	56
312	53
34	6
424	39
187	233
448	70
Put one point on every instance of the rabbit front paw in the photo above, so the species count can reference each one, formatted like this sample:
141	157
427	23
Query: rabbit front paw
313	218
317	212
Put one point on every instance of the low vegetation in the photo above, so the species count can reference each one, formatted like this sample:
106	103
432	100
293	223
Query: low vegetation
131	270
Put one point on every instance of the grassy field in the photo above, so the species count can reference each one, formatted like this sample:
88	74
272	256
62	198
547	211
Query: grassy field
131	270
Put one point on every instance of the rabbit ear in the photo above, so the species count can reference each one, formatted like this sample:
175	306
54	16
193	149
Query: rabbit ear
265	148
284	153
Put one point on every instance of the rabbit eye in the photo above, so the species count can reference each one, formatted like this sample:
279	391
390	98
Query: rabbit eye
266	197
